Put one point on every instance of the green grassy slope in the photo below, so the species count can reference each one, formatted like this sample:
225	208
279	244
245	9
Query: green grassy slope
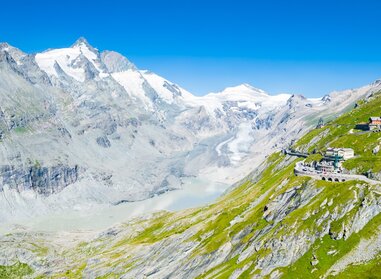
15	271
342	133
273	223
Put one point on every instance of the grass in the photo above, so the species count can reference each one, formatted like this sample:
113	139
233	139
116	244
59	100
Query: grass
308	138
72	273
367	270
15	271
302	268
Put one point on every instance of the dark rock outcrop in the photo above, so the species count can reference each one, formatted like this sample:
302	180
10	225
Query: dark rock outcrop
104	141
43	180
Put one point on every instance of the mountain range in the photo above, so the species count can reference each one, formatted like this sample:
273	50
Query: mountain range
81	128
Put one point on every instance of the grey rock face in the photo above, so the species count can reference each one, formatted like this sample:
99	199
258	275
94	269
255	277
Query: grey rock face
263	123
83	41
7	61
103	141
116	62
81	62
288	202
43	180
31	72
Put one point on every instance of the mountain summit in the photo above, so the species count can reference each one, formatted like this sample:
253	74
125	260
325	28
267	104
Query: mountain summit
81	41
245	87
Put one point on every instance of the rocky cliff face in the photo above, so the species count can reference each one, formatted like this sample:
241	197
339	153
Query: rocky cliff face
43	180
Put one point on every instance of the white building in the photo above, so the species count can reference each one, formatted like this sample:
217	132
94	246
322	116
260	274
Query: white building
346	153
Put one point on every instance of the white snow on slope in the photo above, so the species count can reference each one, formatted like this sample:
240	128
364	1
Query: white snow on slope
66	58
132	81
166	89
244	95
240	146
248	96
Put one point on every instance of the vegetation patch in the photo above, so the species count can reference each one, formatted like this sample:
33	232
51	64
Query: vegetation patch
367	270
15	271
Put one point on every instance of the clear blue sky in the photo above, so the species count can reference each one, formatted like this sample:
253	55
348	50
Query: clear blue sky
309	47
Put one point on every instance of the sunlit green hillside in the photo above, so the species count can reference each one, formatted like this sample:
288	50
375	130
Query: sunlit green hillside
273	225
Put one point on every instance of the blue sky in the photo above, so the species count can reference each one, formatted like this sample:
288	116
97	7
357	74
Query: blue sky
309	47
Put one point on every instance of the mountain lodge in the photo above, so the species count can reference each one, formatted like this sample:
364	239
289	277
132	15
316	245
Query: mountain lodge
374	123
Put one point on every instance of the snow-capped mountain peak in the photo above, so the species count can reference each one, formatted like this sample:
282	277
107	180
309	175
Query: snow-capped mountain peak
377	82
243	88
82	62
246	96
73	61
81	42
4	46
15	53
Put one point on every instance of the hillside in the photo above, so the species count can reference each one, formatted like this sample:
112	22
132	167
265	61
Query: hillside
345	132
272	224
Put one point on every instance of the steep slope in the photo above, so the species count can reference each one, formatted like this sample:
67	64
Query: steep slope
273	224
82	129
